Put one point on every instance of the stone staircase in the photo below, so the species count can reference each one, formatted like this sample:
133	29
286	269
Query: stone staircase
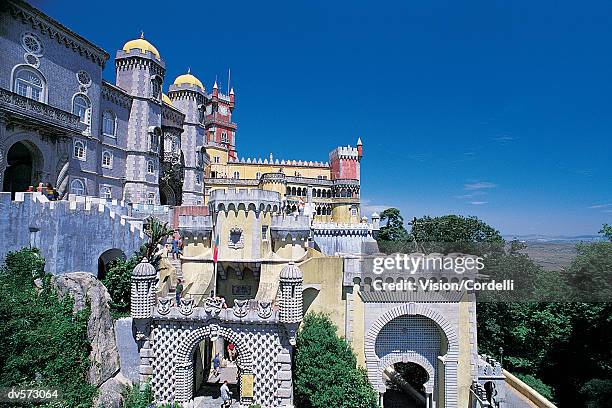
176	263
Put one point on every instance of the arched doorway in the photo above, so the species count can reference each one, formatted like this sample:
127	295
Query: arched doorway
24	164
415	333
405	384
166	195
201	344
105	259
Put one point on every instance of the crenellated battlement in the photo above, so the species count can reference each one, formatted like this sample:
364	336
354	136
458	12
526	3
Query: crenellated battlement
344	152
71	234
244	199
277	162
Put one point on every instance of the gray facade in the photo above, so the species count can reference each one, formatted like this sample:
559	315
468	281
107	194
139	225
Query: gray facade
61	123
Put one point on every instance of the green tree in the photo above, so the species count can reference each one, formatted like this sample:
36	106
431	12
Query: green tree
606	230
326	373
43	344
394	229
455	233
118	282
119	276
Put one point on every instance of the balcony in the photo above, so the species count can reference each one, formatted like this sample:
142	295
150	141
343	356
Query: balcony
216	119
30	112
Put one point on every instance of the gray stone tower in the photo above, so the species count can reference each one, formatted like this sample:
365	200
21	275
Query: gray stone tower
189	96
291	302
140	73
142	298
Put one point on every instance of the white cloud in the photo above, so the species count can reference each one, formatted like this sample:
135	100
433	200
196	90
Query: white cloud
479	185
505	139
600	206
368	207
479	202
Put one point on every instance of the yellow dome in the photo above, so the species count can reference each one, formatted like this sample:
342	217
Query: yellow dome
165	99
141	44
188	79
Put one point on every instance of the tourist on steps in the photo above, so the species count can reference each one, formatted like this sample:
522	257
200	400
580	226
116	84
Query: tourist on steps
179	291
226	395
216	364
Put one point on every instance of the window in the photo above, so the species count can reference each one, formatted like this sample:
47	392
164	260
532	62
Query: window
198	179
108	123
236	175
150	167
79	150
258	175
31	44
105	192
224	137
154	139
217	159
81	108
354	211
107	159
30	84
77	187
151	198
156	85
264	232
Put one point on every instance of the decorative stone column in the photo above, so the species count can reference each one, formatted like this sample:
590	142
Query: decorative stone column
291	302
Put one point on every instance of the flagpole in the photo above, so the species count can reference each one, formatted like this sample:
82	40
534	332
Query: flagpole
215	280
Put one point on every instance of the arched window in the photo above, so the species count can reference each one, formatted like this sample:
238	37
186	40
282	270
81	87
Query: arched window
82	108
29	83
109	121
258	175
79	150
77	187
236	175
150	167
151	198
105	192
107	159
156	86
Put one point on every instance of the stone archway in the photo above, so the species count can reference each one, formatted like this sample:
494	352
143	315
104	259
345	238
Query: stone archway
185	365
375	366
105	258
412	358
24	167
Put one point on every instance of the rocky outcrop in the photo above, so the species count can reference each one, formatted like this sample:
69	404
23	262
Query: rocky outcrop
84	287
110	393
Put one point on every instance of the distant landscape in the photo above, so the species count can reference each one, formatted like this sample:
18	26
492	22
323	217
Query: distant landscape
552	252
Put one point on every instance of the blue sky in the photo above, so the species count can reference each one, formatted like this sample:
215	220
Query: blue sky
501	110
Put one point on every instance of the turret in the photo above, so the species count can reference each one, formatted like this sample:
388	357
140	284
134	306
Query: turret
359	149
231	95
188	95
142	295
291	303
215	91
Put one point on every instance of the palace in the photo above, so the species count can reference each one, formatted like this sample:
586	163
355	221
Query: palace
276	238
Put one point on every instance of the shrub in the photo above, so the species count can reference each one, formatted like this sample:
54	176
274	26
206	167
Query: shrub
326	373
134	397
42	342
538	385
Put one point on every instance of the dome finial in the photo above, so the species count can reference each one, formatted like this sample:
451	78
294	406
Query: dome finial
189	70
141	34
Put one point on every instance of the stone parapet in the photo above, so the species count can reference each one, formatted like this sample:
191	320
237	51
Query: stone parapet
248	200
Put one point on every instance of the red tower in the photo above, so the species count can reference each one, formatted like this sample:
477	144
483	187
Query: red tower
220	129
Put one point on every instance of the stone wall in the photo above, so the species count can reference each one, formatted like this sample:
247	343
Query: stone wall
71	235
